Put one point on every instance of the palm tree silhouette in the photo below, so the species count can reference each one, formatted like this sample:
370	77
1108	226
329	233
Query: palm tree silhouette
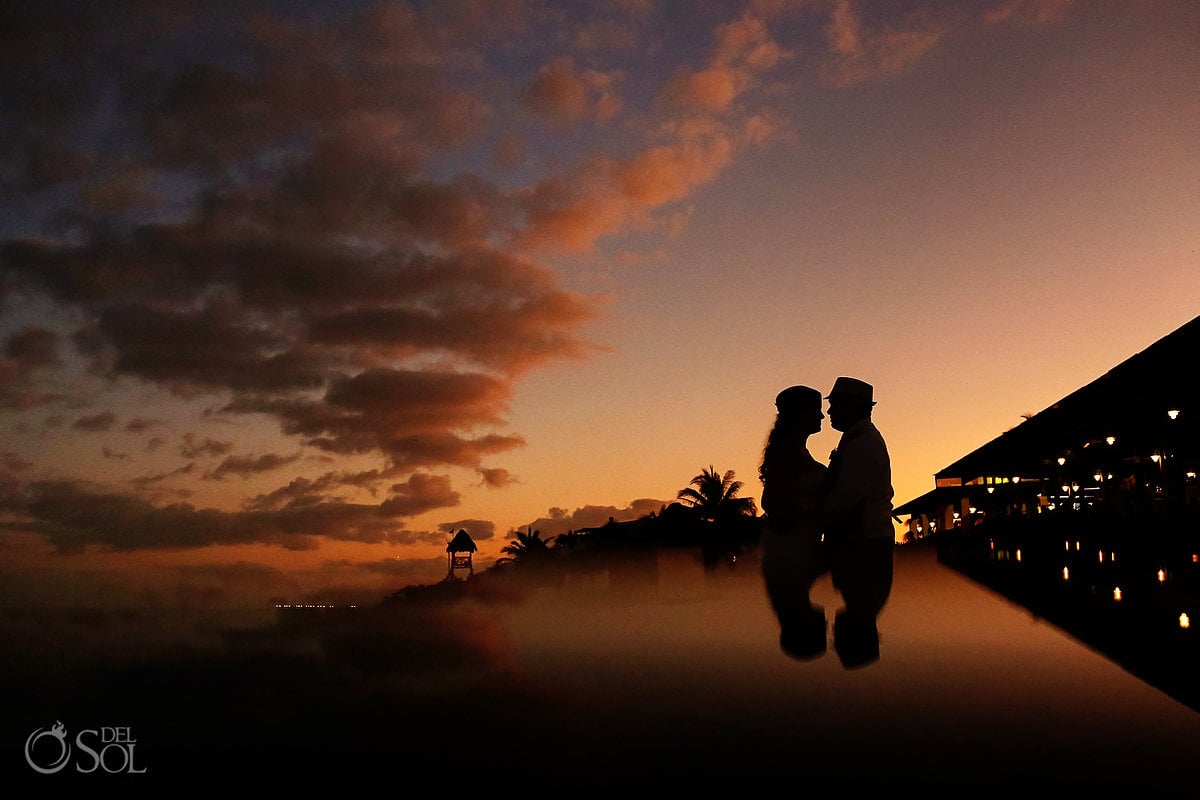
527	546
714	497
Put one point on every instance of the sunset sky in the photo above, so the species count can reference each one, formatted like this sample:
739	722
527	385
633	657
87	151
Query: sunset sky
293	291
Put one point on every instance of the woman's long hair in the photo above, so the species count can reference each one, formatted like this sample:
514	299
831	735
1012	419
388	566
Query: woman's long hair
784	435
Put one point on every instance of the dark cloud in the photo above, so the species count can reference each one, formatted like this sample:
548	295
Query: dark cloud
304	491
14	462
559	520
73	516
33	347
479	529
245	466
95	422
194	447
28	355
147	480
418	494
496	477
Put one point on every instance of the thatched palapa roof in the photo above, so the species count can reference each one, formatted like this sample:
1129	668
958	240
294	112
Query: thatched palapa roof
461	543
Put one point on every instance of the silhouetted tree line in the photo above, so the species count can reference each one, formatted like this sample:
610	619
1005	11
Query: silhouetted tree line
709	514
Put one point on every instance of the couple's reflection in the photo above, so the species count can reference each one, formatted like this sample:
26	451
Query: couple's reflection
832	519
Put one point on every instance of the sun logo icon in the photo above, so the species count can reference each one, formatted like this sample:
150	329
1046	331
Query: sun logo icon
57	732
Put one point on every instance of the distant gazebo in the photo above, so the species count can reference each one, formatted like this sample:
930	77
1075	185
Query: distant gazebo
459	552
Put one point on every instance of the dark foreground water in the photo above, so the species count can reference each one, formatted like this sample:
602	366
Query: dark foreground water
664	676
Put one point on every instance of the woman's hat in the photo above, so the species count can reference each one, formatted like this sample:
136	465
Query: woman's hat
799	399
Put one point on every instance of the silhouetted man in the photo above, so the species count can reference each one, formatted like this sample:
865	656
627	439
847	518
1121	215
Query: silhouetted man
858	521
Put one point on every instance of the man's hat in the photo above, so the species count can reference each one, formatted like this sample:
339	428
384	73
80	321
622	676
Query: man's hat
852	388
799	399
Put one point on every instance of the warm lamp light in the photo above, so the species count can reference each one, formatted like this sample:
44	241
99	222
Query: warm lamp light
1099	476
1162	576
1111	439
1184	620
1117	593
1173	413
1061	461
1155	458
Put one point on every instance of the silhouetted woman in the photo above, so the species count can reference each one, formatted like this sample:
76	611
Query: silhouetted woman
794	486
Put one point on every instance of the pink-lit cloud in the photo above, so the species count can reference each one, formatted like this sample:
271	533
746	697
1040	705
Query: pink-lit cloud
564	93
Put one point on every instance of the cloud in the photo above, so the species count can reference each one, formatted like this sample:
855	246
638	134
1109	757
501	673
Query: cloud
33	347
1028	11
496	477
74	516
193	447
14	462
858	54
565	94
558	520
95	423
148	480
304	491
418	494
245	466
479	530
743	50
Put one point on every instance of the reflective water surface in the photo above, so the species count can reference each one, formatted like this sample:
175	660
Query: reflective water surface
655	670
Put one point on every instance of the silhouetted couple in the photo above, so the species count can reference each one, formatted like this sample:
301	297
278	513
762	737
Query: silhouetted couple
834	518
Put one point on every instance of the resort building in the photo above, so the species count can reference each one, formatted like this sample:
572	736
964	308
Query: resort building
1126	444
